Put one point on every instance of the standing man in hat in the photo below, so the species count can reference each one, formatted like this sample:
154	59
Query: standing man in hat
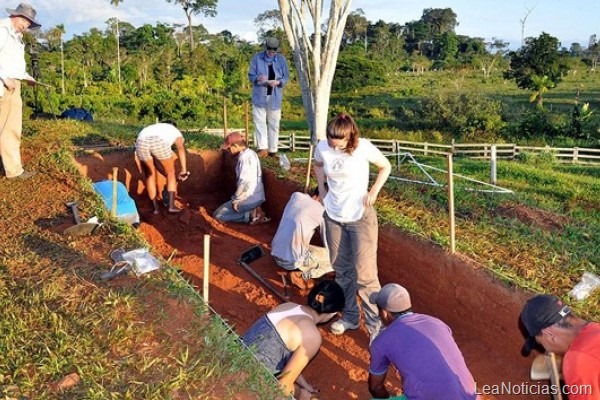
268	74
551	323
12	71
422	350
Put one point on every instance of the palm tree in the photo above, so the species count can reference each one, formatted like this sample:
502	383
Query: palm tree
542	85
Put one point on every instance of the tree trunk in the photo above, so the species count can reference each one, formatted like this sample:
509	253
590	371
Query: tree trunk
188	14
314	62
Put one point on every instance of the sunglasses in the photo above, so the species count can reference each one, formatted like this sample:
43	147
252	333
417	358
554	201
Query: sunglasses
271	48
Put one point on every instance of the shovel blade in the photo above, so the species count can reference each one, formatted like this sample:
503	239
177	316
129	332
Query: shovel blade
85	228
252	254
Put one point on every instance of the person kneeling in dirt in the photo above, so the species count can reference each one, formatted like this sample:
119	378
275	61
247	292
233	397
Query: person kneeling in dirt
245	203
154	142
552	324
291	247
287	338
422	350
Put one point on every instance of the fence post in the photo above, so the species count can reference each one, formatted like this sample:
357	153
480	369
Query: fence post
485	151
224	116
206	278
247	118
453	148
425	148
451	204
397	152
293	141
493	165
515	150
575	155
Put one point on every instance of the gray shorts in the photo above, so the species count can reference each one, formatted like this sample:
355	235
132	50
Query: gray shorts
151	146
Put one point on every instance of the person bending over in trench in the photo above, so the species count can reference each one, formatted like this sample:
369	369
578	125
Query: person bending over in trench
291	248
287	338
245	203
552	324
422	350
153	144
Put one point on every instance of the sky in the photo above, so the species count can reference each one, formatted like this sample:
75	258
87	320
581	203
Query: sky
568	20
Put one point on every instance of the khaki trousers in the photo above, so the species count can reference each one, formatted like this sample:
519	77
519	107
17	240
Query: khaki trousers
11	125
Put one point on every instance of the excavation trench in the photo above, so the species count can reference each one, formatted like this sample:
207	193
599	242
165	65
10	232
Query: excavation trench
482	312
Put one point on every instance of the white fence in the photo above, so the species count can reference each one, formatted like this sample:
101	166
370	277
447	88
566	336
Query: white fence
294	141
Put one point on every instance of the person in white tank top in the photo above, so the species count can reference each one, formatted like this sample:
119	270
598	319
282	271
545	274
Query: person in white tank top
287	338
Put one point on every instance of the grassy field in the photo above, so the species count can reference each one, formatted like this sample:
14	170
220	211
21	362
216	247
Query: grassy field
385	110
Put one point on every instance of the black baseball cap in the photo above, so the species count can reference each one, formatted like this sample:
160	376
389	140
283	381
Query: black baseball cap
540	312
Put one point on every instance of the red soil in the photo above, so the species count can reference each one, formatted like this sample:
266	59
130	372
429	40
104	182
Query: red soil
482	312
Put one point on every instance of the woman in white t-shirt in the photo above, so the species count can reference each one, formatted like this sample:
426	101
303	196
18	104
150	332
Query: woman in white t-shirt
154	142
342	161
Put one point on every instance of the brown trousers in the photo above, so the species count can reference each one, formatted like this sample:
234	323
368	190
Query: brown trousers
11	126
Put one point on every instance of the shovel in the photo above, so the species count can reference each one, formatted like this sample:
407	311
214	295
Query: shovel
80	228
251	255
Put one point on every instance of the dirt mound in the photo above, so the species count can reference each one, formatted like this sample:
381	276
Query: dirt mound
532	216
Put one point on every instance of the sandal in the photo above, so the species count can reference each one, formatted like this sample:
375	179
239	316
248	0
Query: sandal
260	220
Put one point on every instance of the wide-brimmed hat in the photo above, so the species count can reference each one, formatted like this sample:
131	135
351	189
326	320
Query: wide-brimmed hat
26	11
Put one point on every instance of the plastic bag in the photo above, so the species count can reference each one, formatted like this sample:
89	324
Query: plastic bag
284	162
588	283
141	261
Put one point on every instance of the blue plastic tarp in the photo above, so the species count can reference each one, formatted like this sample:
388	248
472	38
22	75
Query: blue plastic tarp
126	208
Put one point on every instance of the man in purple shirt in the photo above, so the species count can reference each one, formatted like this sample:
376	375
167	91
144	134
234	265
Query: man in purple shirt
421	348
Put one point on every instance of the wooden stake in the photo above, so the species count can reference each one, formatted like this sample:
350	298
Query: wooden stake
206	268
451	205
113	210
247	135
310	155
224	116
555	377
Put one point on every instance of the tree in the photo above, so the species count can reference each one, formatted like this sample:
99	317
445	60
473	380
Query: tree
267	22
315	54
487	62
439	20
593	52
356	28
538	65
55	39
116	4
523	21
194	7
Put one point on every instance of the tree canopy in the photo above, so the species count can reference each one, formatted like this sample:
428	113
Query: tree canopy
538	65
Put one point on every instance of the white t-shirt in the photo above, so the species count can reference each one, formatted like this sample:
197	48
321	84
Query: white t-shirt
347	178
166	132
250	188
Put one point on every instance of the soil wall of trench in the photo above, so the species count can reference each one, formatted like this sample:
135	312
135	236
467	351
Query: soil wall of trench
482	312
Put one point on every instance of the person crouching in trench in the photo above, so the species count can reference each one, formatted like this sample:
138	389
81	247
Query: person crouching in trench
245	203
